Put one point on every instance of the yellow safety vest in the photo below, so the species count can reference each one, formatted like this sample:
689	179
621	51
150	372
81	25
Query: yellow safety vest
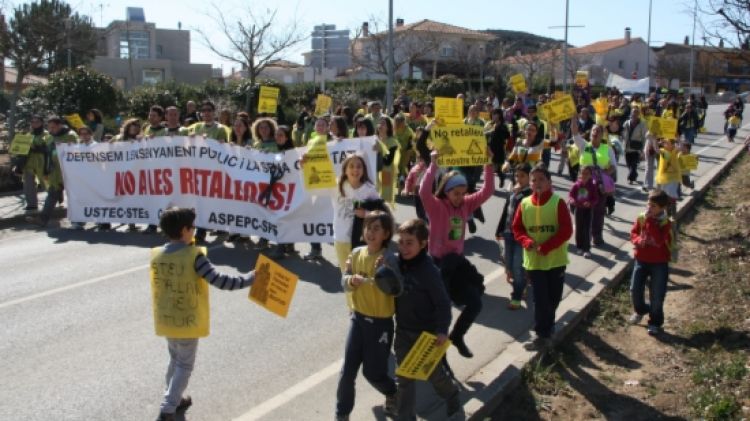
180	296
602	155
367	298
541	224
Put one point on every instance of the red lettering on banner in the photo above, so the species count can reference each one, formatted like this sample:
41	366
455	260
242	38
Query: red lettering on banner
124	183
218	185
186	181
289	195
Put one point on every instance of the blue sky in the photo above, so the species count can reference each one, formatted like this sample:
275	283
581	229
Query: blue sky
603	19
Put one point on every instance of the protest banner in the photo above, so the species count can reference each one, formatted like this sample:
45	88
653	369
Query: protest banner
21	144
180	302
323	105
449	110
460	145
518	83
75	121
234	189
422	358
663	127
268	99
273	287
689	162
318	168
559	109
582	78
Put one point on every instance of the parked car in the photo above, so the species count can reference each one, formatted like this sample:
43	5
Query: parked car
726	96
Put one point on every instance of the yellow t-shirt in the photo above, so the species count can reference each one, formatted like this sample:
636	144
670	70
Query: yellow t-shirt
367	298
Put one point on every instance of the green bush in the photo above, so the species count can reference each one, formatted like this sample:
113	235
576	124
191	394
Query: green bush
74	91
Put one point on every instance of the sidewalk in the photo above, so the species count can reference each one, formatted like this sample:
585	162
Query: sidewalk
12	208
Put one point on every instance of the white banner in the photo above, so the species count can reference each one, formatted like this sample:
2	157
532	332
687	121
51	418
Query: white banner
227	185
628	85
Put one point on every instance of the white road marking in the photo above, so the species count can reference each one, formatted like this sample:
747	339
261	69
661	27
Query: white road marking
77	285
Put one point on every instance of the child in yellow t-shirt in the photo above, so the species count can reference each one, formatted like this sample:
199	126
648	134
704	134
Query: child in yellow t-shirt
733	124
370	337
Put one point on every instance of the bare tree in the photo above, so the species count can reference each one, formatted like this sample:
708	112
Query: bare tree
729	21
253	41
469	57
370	51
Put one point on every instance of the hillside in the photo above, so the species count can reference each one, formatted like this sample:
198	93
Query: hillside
509	42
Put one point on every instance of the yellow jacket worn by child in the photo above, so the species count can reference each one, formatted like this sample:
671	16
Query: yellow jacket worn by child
180	274
368	343
668	173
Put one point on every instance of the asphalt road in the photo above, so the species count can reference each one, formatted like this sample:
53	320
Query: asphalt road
78	343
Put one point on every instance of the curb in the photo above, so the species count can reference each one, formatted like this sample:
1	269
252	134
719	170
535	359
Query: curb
573	309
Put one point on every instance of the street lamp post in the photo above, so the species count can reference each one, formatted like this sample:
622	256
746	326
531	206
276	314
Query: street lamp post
692	44
389	84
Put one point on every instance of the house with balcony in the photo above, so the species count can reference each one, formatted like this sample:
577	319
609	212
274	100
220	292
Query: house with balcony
135	52
422	50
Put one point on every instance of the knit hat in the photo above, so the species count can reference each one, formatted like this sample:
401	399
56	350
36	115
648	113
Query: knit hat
455	181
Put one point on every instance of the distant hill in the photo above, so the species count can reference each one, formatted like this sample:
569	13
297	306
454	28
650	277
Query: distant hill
507	43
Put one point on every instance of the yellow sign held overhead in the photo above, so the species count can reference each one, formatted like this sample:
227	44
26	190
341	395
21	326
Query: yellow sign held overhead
601	105
21	144
518	83
268	99
273	287
422	358
559	109
75	121
318	168
663	127
323	105
582	78
459	145
484	115
449	110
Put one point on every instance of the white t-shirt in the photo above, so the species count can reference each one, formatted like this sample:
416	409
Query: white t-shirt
343	209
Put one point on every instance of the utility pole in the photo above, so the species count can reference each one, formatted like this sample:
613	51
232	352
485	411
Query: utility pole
323	60
648	50
692	45
565	44
389	85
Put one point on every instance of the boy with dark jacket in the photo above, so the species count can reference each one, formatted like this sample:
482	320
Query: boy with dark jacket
423	306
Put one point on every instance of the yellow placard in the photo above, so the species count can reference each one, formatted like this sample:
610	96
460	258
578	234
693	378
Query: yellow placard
518	83
318	168
558	94
663	127
689	162
422	358
459	145
75	121
484	115
323	105
21	144
268	99
559	109
273	287
582	78
449	110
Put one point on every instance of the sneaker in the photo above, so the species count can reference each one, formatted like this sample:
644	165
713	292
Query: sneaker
163	416
458	342
635	318
233	237
132	228
653	330
645	189
586	255
289	249
31	208
314	254
342	418
150	230
538	344
472	226
390	407
514	304
185	403
262	243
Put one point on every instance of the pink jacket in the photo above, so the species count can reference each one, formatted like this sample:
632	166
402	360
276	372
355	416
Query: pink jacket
415	172
448	223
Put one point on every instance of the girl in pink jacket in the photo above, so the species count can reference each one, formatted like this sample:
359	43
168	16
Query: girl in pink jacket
448	210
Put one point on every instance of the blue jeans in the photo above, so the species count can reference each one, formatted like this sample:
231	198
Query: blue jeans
657	290
690	135
181	362
514	265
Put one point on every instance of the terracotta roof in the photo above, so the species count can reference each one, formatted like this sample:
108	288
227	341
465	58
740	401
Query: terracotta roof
426	25
594	48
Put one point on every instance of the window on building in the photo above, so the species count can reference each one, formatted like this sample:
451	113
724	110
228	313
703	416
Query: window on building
447	51
621	64
153	76
159	51
135	44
